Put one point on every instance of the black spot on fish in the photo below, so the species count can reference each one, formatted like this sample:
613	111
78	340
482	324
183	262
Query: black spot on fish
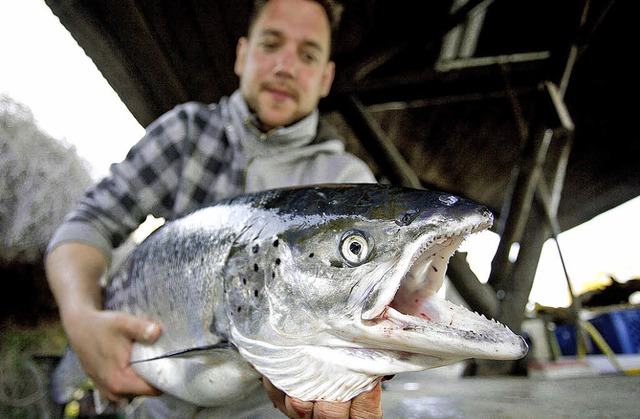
255	248
255	293
311	255
276	243
239	309
273	274
278	261
244	281
255	267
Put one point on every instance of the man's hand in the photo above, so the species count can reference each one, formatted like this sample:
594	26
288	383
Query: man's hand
366	405
102	342
100	339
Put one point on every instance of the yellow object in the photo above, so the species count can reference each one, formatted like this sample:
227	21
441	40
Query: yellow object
72	410
602	344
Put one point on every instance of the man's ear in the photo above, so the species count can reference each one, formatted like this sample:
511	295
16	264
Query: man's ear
241	53
327	78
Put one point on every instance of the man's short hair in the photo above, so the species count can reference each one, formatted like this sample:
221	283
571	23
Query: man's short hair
332	9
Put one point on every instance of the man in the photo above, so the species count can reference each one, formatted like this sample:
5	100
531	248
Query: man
265	135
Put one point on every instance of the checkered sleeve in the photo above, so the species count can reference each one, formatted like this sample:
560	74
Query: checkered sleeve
145	182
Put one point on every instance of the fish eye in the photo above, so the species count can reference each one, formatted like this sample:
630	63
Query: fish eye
355	248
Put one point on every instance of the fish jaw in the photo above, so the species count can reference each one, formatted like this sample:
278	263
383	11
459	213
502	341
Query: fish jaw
414	319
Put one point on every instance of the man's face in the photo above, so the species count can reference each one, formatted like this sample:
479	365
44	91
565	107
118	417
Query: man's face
284	65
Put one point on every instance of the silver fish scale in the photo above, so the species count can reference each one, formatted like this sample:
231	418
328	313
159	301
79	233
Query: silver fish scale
146	284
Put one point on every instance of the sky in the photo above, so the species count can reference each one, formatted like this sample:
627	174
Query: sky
45	69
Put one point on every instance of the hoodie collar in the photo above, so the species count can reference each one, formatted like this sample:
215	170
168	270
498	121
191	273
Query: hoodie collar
245	122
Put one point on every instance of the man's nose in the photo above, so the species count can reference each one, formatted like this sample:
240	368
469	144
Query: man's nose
286	63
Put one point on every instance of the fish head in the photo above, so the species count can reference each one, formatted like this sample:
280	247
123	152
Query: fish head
349	276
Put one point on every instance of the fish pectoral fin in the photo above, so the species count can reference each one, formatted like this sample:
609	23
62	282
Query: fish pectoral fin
207	375
189	352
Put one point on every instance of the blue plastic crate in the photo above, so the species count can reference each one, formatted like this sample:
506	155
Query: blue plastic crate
566	337
567	340
620	329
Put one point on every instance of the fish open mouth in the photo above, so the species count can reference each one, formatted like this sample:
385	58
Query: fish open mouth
416	297
415	300
415	319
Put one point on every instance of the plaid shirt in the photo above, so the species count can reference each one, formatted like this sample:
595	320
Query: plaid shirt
197	154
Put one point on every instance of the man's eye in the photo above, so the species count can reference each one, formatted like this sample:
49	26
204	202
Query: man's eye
308	58
269	46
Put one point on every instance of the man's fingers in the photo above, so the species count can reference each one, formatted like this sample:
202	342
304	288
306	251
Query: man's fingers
122	382
150	332
297	408
367	405
275	394
130	384
119	392
116	379
331	410
140	330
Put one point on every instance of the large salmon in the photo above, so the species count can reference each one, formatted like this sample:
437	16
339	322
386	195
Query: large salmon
324	290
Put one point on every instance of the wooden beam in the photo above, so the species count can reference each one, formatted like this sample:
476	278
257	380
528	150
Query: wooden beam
377	143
